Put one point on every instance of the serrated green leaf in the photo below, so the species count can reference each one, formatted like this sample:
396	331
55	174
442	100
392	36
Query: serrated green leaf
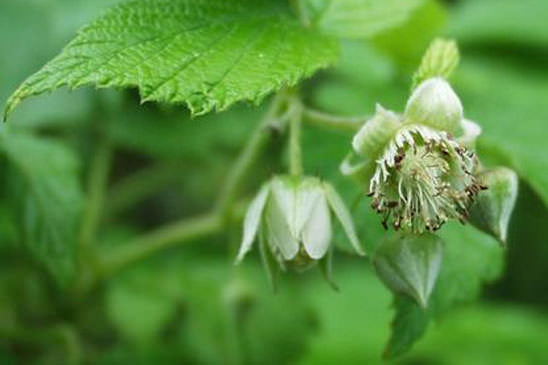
360	18
470	259
49	199
205	54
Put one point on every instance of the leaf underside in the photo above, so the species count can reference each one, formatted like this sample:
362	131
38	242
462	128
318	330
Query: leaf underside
206	54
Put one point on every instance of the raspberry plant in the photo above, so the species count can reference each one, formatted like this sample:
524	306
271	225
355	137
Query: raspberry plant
417	171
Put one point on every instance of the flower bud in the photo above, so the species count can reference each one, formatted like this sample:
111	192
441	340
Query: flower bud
491	212
410	265
292	216
435	104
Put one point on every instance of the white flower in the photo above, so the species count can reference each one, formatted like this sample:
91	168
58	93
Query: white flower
292	217
420	168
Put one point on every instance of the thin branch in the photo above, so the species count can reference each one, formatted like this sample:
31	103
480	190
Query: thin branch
322	119
160	239
248	155
190	229
295	153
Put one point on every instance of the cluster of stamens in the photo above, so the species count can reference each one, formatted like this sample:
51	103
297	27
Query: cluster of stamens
423	179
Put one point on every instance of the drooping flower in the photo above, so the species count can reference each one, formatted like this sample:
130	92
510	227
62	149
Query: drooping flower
421	166
292	218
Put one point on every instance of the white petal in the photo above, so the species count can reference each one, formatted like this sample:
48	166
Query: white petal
343	215
279	234
316	234
308	192
375	134
285	190
252	220
471	132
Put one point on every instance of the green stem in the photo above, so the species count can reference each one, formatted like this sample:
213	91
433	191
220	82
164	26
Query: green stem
322	119
190	229
248	155
295	153
160	239
97	184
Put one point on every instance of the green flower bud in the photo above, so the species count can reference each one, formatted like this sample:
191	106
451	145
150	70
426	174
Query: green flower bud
435	104
410	265
292	216
493	208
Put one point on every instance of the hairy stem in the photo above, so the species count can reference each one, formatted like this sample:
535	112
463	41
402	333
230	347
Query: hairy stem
323	119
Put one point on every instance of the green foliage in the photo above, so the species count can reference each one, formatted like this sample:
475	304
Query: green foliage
360	19
48	199
514	22
188	303
406	43
206	54
470	259
486	334
509	105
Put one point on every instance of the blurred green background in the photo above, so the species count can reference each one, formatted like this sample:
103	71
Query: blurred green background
189	304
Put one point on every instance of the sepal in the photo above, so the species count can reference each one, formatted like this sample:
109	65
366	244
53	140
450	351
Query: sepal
375	134
410	264
492	210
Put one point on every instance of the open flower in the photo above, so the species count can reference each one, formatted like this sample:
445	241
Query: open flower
422	170
292	217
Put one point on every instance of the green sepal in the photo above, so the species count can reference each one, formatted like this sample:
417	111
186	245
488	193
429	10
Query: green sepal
410	264
440	60
326	267
493	207
271	265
